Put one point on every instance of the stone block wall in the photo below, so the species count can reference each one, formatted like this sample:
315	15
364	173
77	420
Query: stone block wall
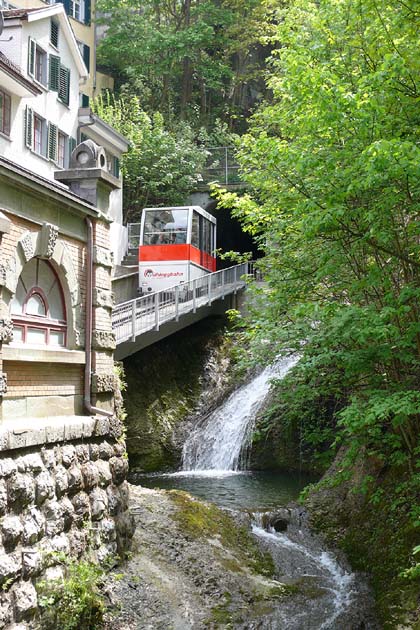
62	489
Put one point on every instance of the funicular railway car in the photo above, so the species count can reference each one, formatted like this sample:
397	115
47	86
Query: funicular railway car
177	245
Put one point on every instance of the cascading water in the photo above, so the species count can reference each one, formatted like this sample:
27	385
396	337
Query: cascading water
220	444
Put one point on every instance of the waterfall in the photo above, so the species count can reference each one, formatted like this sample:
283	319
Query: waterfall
220	444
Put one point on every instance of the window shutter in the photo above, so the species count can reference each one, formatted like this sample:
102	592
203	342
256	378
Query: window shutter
52	142
71	146
54	73
86	56
31	57
6	114
85	100
29	124
115	166
54	30
64	85
87	12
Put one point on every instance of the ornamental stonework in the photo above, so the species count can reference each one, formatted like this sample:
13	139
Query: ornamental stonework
103	340
102	383
102	257
6	330
103	298
3	384
47	240
27	246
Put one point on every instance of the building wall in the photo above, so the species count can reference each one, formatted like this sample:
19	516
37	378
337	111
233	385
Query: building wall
62	490
85	33
46	105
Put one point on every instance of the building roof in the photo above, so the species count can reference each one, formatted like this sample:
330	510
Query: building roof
9	71
102	133
57	11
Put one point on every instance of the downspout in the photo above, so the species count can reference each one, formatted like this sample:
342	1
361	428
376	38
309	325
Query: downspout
88	328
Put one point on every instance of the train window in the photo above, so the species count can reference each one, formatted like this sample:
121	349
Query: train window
195	232
165	227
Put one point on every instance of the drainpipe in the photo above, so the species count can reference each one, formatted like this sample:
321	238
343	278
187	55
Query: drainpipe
88	328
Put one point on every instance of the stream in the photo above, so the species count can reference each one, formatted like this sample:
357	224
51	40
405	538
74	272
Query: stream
329	596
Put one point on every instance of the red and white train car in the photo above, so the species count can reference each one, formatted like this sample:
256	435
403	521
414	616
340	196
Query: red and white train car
177	245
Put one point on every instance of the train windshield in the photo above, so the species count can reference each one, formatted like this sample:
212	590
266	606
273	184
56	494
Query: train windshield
165	227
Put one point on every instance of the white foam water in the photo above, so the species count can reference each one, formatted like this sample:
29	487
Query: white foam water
220	443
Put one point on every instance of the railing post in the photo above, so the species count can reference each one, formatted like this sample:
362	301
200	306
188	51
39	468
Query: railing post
157	311
235	282
133	321
209	288
177	303
223	283
226	167
194	285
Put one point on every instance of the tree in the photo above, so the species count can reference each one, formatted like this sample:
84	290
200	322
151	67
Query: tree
188	58
334	166
162	165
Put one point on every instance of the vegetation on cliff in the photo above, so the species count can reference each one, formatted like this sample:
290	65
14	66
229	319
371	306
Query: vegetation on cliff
333	168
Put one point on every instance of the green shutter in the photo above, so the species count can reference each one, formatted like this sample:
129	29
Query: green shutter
31	57
115	166
71	146
52	142
54	73
29	124
64	85
54	30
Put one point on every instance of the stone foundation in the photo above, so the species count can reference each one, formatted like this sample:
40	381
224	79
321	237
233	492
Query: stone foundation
62	489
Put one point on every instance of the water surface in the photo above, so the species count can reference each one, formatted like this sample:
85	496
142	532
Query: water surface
252	491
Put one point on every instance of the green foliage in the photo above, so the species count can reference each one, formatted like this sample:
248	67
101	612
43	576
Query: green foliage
196	58
333	168
75	601
162	165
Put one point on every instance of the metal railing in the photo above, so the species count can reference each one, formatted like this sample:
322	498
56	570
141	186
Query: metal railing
143	314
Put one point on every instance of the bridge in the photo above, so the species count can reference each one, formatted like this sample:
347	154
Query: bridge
142	321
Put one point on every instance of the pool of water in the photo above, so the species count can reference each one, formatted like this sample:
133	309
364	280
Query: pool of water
253	491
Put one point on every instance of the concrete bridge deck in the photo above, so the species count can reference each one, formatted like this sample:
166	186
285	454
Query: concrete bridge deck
142	321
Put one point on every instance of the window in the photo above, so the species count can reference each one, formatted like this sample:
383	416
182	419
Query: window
5	109
62	150
85	52
77	10
38	307
37	62
165	227
40	129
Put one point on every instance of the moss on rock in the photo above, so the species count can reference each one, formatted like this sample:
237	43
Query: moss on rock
164	386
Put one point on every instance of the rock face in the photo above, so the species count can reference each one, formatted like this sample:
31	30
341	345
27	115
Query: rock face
193	568
50	498
166	385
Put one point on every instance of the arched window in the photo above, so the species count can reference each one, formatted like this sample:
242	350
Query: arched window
38	311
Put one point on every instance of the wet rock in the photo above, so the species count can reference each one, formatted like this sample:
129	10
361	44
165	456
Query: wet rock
105	450
119	469
54	514
90	475
68	455
10	568
20	491
82	453
61	481
33	526
74	479
48	457
32	462
11	530
3	497
81	505
104	473
99	503
25	600
31	563
44	487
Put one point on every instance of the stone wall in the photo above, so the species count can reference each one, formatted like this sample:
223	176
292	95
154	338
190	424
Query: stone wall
62	489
